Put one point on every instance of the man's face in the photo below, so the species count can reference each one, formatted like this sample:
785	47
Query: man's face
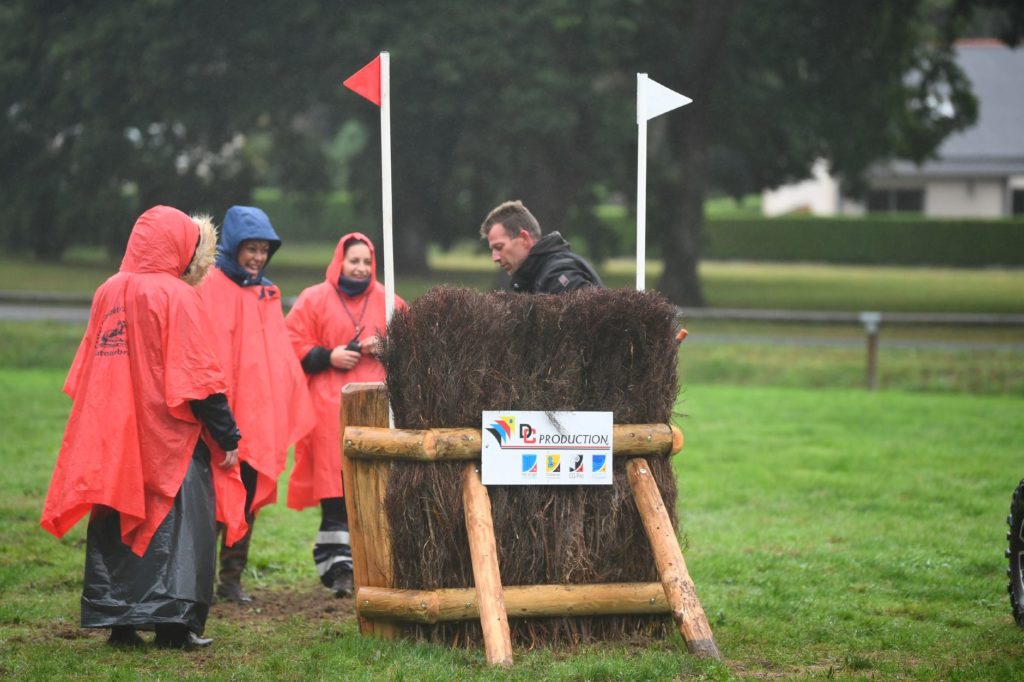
508	252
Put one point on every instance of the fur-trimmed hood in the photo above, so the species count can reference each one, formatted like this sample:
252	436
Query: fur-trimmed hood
166	240
205	253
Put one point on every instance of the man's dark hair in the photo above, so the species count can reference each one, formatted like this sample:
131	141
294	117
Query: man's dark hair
514	217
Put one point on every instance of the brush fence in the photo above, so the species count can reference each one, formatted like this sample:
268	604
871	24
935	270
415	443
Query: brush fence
370	447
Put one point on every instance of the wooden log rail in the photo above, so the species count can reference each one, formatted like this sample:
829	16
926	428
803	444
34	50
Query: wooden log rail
433	445
521	601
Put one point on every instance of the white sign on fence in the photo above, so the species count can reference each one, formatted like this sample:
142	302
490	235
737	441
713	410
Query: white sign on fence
546	448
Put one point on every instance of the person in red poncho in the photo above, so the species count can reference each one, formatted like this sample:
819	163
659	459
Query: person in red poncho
335	327
148	402
268	388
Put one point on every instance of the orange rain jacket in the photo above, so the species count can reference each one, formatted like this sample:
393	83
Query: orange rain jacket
318	319
145	355
268	387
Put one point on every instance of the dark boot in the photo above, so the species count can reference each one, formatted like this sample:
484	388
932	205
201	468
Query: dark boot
232	563
332	553
175	636
124	636
342	585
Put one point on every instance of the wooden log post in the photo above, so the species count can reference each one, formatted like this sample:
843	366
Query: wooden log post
521	601
483	550
668	557
365	404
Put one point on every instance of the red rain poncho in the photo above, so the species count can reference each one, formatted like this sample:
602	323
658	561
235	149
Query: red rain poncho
318	319
145	354
268	388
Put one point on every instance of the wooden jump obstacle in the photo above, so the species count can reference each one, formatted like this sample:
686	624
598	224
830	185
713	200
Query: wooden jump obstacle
369	447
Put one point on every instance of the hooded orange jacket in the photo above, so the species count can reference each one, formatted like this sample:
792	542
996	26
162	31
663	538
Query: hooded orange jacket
268	388
145	355
318	319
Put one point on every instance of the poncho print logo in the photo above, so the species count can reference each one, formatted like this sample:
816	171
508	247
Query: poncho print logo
113	336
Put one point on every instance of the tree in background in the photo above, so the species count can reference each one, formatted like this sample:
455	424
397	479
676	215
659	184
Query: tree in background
778	86
108	108
493	101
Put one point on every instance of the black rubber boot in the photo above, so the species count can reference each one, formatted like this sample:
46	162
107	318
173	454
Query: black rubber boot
232	563
342	585
124	636
176	636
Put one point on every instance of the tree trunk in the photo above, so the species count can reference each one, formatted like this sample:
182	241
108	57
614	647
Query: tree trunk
410	244
681	246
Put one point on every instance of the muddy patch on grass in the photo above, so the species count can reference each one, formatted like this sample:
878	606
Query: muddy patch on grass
309	603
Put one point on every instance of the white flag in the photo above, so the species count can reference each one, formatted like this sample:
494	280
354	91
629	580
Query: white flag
654	99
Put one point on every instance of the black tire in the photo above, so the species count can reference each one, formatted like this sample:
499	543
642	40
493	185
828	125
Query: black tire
1015	554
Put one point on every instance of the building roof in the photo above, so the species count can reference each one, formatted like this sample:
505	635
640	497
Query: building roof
994	146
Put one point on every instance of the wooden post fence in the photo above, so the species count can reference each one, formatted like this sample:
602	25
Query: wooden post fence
369	447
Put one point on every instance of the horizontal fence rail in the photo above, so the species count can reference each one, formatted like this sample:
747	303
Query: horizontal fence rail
24	306
432	445
850	317
521	601
727	314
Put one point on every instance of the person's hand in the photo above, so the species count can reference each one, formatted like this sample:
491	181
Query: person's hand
370	346
230	459
344	359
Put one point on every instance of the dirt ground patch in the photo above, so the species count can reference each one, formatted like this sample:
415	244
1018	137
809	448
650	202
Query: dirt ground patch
311	603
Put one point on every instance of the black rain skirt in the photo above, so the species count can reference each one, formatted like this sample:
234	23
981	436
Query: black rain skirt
173	581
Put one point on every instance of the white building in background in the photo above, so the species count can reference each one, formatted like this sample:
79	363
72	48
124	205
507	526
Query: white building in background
978	172
818	195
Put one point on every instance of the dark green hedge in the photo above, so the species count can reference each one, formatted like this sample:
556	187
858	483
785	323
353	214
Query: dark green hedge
870	241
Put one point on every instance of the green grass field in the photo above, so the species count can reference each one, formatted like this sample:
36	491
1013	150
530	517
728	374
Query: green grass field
829	533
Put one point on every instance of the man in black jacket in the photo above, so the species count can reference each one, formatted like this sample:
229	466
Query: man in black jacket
537	265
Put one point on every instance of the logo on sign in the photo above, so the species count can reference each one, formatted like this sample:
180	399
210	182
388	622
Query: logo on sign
553	464
502	428
529	447
528	434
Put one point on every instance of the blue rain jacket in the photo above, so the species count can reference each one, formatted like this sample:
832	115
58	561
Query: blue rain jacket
242	223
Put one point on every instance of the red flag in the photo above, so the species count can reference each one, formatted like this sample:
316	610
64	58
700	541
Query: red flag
366	81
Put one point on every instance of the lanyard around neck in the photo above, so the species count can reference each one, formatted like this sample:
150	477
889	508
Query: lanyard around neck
355	323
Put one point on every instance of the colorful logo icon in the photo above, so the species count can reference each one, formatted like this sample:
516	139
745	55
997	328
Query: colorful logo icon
502	428
577	465
530	465
553	464
600	464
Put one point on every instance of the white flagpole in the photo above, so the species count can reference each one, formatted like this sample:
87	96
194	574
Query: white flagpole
385	169
641	184
652	99
385	165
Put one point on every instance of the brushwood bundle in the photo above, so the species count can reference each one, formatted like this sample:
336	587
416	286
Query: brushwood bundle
456	353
